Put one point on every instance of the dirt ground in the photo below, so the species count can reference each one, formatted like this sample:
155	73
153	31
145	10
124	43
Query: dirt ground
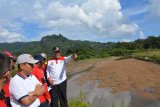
121	75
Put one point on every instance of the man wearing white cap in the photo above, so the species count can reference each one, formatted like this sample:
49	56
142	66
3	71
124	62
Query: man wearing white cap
56	75
25	88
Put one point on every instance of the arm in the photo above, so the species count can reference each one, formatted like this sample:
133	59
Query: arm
28	99
48	75
32	96
46	94
70	58
50	81
43	81
39	90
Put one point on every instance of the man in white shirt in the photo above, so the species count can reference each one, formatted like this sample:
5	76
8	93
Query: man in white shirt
56	75
25	88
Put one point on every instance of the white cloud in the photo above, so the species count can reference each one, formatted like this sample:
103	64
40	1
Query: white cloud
6	36
102	18
154	9
141	35
123	30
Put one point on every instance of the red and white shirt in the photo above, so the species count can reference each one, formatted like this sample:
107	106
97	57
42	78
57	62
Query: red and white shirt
56	69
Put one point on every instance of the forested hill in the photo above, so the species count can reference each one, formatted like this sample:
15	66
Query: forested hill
48	42
85	49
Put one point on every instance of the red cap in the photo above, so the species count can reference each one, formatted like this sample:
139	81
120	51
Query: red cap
9	54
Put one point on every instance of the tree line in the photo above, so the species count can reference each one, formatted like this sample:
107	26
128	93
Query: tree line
85	49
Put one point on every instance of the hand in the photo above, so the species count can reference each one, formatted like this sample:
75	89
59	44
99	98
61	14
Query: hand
39	90
74	55
31	94
38	86
49	100
50	81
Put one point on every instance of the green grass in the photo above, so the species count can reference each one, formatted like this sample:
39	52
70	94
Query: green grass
148	55
77	103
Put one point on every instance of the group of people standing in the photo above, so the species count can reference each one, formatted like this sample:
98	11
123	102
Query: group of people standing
39	82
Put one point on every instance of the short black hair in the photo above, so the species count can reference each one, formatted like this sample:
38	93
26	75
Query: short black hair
5	63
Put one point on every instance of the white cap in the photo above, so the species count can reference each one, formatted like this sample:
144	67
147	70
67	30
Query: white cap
55	49
43	55
26	58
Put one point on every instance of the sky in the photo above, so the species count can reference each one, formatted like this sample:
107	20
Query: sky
93	20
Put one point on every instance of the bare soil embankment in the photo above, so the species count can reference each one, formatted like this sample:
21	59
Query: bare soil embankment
121	75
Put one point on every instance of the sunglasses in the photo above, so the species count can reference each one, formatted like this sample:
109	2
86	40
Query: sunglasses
32	65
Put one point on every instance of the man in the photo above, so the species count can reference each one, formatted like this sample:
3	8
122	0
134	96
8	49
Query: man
5	68
6	86
56	75
38	73
25	88
44	67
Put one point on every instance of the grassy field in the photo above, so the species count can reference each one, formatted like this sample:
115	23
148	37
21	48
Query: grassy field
148	55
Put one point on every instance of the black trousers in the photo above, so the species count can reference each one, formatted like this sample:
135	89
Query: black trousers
58	94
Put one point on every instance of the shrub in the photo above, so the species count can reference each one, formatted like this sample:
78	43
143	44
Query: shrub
120	52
